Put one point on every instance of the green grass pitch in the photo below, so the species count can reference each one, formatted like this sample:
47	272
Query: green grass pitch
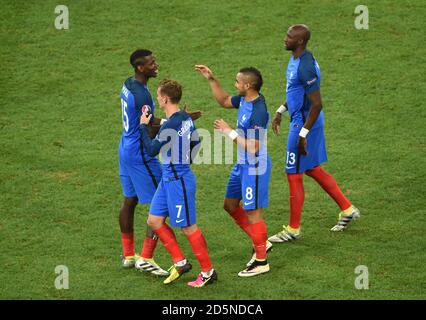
60	124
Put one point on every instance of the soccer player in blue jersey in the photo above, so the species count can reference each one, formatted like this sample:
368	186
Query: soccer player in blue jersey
249	179
177	141
306	144
140	173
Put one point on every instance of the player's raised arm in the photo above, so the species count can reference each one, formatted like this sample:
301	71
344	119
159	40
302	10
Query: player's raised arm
222	97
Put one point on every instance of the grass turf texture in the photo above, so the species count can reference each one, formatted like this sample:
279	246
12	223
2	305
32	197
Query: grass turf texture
60	122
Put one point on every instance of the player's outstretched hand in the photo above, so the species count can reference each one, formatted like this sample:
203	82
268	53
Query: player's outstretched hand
205	71
194	114
222	126
144	118
276	122
301	145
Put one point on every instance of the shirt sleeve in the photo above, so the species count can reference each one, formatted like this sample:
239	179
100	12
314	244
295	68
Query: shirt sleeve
258	121
308	75
152	146
235	100
142	99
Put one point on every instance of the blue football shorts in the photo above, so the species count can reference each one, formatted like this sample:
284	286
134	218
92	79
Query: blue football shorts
317	154
139	179
175	198
250	183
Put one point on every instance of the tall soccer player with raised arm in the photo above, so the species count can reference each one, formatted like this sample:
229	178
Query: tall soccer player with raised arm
306	144
249	179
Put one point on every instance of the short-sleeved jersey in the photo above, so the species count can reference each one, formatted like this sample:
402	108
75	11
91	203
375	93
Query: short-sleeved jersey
252	122
175	142
134	95
303	77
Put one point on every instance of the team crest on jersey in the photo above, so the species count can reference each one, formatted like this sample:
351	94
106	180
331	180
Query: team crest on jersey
243	120
146	109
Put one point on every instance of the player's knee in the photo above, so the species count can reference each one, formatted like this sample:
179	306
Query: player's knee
254	216
124	212
129	204
228	207
311	172
225	206
153	224
149	230
189	230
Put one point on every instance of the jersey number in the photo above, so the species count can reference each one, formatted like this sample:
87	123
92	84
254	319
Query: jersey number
249	193
179	207
291	158
124	115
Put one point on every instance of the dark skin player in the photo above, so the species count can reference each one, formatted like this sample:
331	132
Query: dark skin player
296	40
150	70
143	72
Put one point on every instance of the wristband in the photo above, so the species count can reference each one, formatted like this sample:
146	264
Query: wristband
282	109
233	134
162	121
303	132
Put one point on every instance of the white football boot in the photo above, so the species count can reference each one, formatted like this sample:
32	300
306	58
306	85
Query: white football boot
346	219
149	265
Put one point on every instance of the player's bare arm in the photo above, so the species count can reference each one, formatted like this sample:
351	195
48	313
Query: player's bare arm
276	122
316	107
221	96
250	145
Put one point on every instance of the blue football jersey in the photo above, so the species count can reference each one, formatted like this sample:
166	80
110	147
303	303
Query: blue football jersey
134	96
175	142
252	122
303	77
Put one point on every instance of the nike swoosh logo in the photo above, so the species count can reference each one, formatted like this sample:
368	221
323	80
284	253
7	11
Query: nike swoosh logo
290	167
248	203
179	221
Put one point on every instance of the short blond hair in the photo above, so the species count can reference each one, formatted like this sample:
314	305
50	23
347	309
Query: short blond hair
171	89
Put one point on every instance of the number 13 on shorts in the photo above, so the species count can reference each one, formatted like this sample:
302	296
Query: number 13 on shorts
291	158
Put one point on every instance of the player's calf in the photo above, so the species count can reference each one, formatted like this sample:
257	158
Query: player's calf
253	257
